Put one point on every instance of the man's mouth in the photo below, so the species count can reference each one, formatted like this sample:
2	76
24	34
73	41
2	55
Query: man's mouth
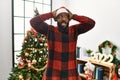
63	23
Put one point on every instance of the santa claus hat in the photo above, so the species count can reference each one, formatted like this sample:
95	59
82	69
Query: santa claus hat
61	10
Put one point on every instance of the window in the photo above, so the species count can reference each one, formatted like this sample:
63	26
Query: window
23	11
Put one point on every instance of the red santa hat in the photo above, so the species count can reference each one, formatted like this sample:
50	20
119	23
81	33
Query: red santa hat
61	10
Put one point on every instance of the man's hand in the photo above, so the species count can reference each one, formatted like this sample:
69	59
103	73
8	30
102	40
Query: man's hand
54	14
70	14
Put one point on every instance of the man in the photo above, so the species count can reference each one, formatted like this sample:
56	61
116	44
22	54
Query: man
62	42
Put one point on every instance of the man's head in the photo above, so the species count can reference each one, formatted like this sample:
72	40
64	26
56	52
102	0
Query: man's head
62	17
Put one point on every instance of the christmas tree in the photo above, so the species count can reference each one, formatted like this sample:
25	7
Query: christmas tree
32	59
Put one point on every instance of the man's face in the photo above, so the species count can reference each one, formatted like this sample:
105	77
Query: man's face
63	20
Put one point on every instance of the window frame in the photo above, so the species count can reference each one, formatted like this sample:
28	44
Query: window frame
24	32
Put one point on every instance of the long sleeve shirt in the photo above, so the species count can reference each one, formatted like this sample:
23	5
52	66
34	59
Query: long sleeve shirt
61	45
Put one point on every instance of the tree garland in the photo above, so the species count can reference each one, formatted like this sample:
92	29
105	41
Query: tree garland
113	52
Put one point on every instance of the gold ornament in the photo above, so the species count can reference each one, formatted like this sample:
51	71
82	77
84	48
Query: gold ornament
34	61
45	44
20	77
26	54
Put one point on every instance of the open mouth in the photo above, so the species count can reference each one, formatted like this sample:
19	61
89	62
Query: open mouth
63	23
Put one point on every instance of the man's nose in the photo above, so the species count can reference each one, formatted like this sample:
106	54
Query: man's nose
63	18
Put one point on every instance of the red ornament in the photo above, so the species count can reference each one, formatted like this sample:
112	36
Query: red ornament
26	38
22	58
21	64
40	39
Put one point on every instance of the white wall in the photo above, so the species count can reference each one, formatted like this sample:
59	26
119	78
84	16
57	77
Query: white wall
5	39
106	13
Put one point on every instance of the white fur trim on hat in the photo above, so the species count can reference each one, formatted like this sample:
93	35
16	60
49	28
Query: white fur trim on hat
61	10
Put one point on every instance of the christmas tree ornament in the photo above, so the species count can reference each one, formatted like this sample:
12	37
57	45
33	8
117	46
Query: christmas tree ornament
31	45
34	61
39	59
40	39
46	45
30	39
29	65
35	50
22	58
28	61
45	49
21	64
26	38
41	44
41	52
35	39
24	42
20	77
26	54
44	39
